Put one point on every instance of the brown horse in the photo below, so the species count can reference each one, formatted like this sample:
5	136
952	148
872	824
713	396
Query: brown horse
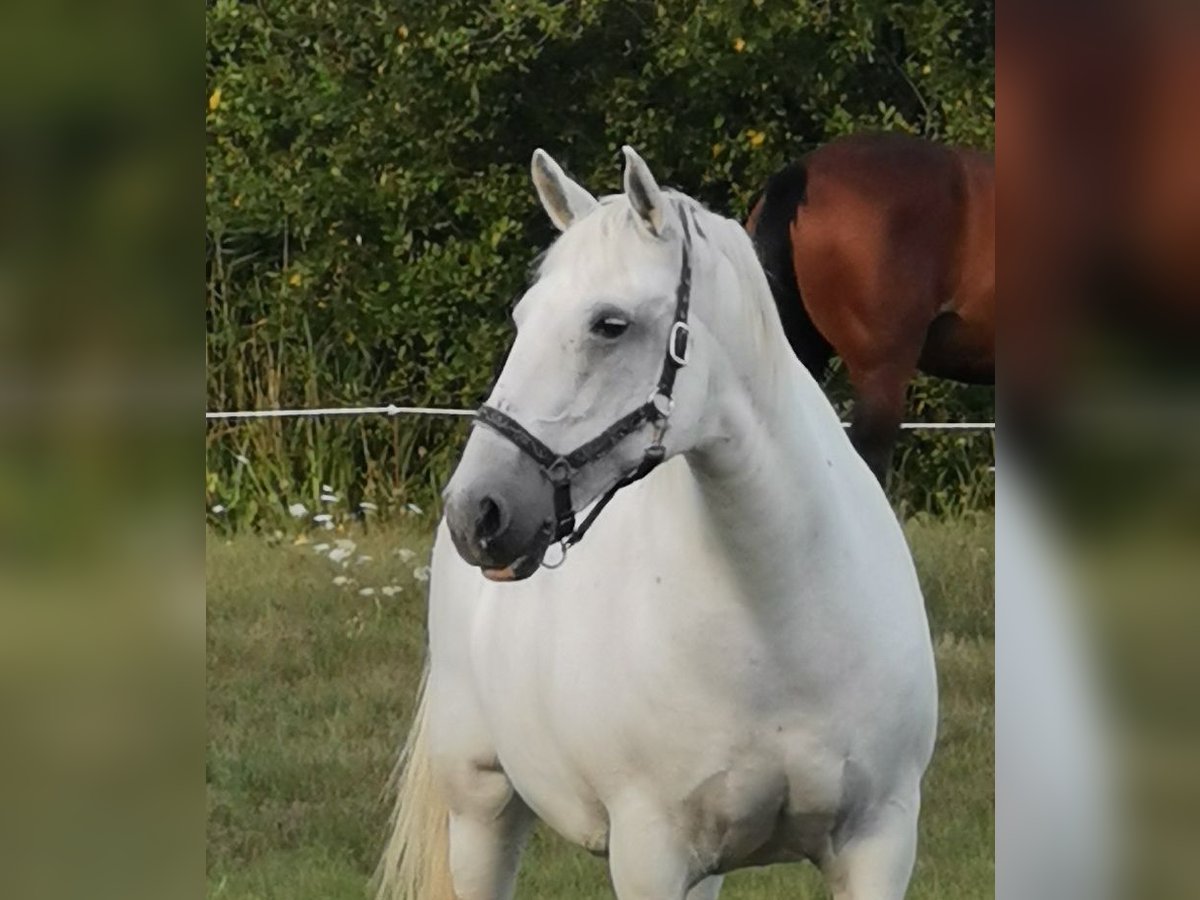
881	249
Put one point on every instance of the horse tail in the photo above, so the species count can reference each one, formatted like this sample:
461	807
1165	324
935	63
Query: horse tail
416	860
785	193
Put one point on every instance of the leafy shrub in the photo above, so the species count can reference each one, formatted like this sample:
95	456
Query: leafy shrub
369	212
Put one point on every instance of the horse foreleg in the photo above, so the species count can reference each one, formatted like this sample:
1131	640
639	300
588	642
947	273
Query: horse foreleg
649	860
487	835
878	412
876	863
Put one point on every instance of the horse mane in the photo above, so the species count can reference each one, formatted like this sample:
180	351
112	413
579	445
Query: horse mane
755	318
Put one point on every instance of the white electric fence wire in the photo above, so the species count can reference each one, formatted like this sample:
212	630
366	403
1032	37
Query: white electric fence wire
393	410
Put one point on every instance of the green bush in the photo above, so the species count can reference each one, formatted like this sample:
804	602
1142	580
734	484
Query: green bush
369	212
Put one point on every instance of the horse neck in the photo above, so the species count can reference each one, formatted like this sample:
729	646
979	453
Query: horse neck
768	475
772	457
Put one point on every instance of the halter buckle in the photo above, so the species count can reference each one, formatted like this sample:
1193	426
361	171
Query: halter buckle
679	345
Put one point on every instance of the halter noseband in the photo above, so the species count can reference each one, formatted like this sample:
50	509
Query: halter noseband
559	469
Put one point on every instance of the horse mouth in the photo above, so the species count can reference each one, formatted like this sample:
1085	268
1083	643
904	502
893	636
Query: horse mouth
526	564
518	570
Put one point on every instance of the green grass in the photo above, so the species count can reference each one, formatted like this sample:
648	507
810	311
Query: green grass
310	686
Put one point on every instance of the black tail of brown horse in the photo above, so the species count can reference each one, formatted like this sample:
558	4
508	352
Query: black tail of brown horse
771	226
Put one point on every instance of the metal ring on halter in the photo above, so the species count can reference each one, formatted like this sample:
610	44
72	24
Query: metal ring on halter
662	404
562	546
559	471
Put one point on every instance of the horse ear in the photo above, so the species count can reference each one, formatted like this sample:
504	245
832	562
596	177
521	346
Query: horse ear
563	199
645	196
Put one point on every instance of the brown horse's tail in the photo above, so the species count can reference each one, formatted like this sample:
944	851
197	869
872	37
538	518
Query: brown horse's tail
785	193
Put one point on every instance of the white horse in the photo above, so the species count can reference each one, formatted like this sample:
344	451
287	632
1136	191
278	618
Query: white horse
734	668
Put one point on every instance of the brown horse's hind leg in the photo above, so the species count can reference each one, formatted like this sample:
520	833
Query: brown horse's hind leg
815	356
878	412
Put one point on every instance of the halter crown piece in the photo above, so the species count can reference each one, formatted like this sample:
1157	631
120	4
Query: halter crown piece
560	468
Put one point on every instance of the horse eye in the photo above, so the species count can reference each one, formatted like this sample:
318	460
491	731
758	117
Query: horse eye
609	327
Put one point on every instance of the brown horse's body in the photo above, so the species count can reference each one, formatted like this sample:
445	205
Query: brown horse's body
881	249
1100	189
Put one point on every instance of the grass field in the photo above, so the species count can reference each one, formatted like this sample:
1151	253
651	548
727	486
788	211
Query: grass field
310	685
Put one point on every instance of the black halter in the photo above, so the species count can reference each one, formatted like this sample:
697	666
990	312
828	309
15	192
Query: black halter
559	469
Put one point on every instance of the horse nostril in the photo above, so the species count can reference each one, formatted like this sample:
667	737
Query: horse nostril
492	519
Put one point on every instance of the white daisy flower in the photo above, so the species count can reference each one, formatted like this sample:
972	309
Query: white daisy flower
391	590
366	592
218	509
406	555
320	548
298	510
341	580
421	573
414	509
367	506
322	518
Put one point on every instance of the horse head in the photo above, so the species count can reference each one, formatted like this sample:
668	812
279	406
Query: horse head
583	403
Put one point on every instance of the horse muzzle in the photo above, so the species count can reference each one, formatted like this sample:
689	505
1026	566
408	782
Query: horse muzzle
500	516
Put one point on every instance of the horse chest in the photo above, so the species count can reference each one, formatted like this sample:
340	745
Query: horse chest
586	720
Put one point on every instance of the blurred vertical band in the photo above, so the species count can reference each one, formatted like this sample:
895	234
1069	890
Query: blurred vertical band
101	591
1098	143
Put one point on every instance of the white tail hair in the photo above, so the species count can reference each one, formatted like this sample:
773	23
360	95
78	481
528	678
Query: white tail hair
416	860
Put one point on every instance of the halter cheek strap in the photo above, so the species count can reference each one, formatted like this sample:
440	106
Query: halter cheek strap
561	469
